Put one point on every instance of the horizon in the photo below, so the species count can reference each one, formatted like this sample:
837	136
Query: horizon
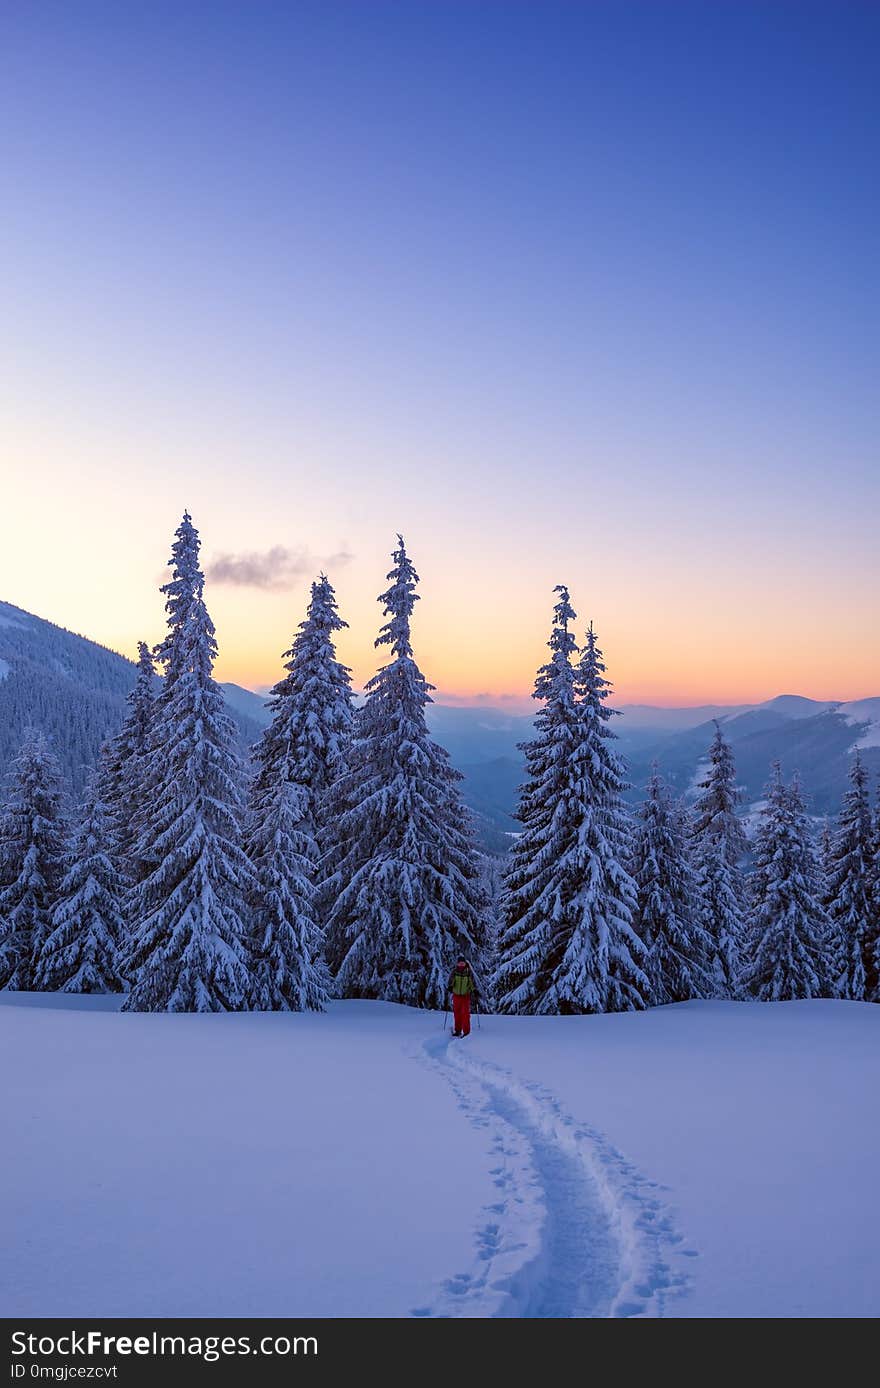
608	317
512	703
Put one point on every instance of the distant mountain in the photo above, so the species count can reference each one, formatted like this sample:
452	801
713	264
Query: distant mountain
816	739
796	706
247	705
651	718
477	735
491	787
74	690
813	737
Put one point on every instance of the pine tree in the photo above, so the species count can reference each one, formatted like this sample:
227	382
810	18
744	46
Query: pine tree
849	896
125	768
288	965
299	758
406	893
493	869
872	963
189	953
183	591
719	845
786	956
32	845
825	851
81	952
567	943
667	919
540	882
312	720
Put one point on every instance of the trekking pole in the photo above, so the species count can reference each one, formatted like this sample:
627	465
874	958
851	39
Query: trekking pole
477	1016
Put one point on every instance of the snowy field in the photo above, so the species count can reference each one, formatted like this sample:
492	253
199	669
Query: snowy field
709	1159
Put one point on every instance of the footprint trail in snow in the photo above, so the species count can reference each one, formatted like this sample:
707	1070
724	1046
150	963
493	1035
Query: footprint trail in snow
575	1231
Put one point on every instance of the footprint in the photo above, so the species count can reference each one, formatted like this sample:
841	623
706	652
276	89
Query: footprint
582	1229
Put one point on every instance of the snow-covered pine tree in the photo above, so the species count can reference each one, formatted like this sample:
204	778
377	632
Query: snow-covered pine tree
406	892
667	919
182	591
312	718
785	955
81	952
124	769
567	944
872	964
189	952
538	875
825	851
850	907
825	857
289	971
605	933
493	868
299	758
32	849
718	847
813	872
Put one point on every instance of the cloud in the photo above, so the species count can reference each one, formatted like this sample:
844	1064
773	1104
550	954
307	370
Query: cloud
273	570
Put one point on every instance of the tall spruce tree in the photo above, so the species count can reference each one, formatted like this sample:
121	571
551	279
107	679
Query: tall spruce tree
718	848
299	759
289	972
81	952
406	892
539	880
667	917
312	718
825	851
872	963
189	952
825	856
849	894
567	944
32	855
125	769
785	957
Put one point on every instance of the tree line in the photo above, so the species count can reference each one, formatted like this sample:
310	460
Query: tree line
345	864
601	911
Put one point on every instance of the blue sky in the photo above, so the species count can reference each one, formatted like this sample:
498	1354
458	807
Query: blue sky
568	292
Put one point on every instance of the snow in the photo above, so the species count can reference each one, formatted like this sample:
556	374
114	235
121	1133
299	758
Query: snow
701	771
754	1117
859	712
5	667
870	737
705	1159
220	1165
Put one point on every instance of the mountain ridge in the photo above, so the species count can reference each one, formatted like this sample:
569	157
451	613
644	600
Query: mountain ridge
71	687
75	689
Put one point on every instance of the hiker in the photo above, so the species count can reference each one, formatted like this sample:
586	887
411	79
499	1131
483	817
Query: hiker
461	986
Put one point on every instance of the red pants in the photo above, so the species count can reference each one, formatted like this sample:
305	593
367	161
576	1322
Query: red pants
461	1013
